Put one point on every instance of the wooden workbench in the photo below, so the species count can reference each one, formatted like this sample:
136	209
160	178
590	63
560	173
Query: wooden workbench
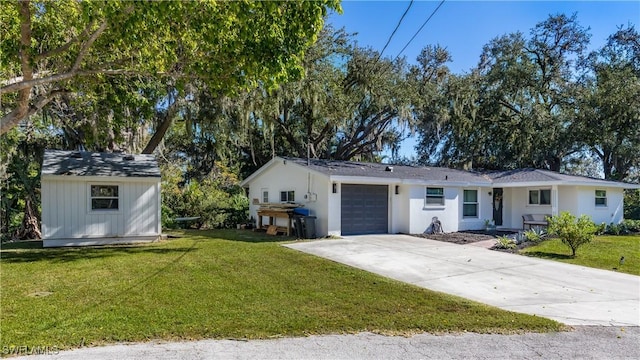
272	214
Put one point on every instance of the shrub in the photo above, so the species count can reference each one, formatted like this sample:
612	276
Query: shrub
631	225
617	229
571	231
632	204
535	234
505	242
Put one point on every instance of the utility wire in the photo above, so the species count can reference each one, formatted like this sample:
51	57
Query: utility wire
421	27
394	30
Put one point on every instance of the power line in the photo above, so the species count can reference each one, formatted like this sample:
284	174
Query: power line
421	27
396	29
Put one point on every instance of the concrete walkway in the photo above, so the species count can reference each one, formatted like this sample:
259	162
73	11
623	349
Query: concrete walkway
573	295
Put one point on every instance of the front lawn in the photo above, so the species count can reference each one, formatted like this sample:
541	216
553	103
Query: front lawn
603	252
216	284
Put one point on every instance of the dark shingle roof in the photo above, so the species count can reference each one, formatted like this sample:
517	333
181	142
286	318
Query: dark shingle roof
538	175
376	170
83	163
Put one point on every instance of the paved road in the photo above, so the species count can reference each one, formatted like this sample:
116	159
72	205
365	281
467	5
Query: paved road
574	295
585	342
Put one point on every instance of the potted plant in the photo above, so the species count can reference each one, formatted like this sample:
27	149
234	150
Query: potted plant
490	226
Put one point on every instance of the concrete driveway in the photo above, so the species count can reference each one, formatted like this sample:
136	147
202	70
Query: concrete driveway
573	295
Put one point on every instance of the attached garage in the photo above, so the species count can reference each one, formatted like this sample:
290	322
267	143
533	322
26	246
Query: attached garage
364	209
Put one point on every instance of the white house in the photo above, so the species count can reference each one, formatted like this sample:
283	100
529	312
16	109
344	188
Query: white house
360	198
99	198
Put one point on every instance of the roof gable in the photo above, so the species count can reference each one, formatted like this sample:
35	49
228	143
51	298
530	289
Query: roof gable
438	175
83	163
529	176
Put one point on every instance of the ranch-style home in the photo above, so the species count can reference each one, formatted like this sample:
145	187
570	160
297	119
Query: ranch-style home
349	197
99	198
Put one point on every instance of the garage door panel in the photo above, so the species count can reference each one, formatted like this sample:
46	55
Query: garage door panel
364	209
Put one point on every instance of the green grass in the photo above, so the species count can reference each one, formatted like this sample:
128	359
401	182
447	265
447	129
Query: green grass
603	252
216	284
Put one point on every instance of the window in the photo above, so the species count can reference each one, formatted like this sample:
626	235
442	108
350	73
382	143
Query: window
265	196
601	197
540	197
435	196
104	197
470	204
287	196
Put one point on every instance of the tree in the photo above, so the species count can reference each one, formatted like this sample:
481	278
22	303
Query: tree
573	233
610	111
50	48
529	84
517	108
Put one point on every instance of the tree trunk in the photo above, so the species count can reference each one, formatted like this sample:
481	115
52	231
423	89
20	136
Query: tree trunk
30	228
162	129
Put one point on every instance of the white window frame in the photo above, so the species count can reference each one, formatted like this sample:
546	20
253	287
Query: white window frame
289	196
90	198
432	196
265	195
601	197
539	192
475	203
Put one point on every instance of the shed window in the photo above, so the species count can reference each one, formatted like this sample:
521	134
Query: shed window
601	197
104	197
470	204
540	197
287	196
435	196
265	196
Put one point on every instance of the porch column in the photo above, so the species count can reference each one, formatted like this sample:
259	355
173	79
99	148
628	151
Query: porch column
554	200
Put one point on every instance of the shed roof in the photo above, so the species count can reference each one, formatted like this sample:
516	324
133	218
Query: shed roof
83	163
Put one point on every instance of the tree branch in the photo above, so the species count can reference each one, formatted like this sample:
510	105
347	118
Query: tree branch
87	45
66	46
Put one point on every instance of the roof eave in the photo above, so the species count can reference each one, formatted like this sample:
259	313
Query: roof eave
566	183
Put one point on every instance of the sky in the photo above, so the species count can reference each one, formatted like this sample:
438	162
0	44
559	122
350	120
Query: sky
464	27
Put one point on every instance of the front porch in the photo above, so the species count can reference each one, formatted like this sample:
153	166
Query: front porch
534	203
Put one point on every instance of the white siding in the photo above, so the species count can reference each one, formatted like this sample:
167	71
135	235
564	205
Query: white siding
66	212
520	205
577	200
612	213
286	177
421	215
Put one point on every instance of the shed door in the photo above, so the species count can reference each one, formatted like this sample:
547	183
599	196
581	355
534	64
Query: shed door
364	209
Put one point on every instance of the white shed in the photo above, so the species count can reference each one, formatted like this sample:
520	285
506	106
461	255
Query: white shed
99	198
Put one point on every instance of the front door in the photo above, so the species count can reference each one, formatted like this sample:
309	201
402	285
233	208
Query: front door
497	206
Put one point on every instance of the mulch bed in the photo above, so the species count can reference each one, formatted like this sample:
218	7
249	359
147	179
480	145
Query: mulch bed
468	237
464	237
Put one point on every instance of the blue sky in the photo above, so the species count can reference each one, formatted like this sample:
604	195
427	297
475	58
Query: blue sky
464	27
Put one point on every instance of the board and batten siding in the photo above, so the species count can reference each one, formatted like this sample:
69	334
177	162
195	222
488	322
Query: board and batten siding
67	214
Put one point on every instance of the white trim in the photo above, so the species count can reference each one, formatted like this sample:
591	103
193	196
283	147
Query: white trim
434	206
476	203
594	183
596	197
539	190
92	211
96	241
